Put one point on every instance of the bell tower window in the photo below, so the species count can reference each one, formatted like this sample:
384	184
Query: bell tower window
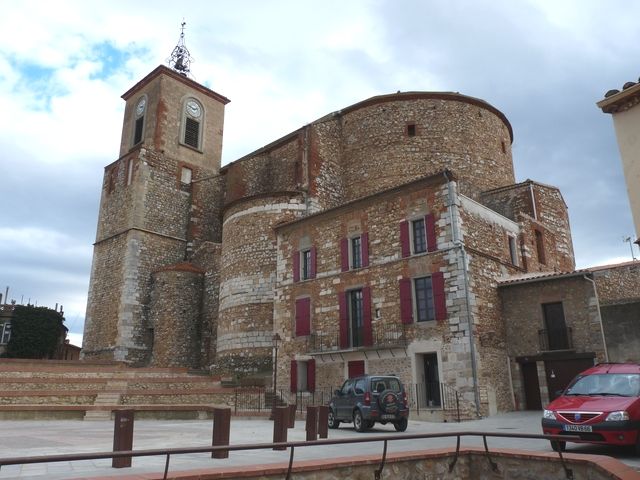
141	108
193	114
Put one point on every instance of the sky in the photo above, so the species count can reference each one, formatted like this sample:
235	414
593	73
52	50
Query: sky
284	63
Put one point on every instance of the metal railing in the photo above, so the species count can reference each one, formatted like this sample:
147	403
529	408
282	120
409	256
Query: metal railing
168	452
559	340
384	335
434	396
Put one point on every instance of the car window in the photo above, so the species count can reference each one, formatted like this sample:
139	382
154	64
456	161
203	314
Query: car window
379	384
360	386
347	387
618	384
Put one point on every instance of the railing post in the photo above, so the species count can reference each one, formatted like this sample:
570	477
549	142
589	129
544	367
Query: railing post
312	423
323	419
280	426
122	437
291	423
221	428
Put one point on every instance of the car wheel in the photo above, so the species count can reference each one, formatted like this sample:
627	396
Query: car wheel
370	424
558	445
401	425
358	422
332	421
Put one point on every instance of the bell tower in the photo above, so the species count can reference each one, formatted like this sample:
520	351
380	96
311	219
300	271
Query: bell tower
159	199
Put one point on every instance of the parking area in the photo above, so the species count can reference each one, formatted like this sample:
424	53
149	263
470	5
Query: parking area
43	437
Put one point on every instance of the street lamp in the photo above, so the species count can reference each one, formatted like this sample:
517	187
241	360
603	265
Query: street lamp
276	338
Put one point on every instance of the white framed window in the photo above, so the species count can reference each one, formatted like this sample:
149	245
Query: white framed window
5	333
192	118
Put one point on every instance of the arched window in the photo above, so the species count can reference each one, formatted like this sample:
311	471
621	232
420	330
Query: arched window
193	115
141	109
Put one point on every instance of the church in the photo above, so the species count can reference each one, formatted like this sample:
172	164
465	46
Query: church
390	236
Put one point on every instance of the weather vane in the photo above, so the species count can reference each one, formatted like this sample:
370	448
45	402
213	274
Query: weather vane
180	58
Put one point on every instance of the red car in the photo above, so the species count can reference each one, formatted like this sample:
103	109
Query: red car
601	405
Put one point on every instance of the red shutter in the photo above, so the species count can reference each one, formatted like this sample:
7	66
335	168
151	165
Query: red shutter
406	305
430	224
364	241
439	298
303	317
311	375
366	317
312	263
294	376
296	266
344	320
404	238
344	254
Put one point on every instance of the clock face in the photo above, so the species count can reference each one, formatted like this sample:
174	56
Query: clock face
193	109
140	107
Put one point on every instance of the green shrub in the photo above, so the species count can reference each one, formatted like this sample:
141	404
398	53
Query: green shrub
36	332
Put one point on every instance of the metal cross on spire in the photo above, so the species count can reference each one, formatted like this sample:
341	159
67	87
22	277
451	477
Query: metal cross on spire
180	58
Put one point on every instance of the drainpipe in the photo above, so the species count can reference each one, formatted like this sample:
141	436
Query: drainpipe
455	236
604	341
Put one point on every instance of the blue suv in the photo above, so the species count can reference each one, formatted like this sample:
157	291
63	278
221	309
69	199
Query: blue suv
369	399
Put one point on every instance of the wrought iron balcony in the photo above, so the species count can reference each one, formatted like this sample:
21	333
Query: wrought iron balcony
557	339
383	336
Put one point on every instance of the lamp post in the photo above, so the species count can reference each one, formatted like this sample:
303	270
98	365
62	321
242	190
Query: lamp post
276	338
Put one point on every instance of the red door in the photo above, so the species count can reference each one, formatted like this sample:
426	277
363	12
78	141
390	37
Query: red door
356	368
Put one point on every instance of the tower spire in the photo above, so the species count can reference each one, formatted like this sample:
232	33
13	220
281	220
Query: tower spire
180	58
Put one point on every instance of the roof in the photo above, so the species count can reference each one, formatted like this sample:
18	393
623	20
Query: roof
531	277
616	100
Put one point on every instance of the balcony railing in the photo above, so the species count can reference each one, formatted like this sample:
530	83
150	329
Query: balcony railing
384	336
559	339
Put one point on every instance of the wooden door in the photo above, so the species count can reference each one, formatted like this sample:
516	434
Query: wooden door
531	386
561	372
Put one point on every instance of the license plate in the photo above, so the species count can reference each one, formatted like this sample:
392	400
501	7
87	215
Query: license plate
387	417
577	428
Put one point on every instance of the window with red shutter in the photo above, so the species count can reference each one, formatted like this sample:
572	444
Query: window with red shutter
367	333
430	224
365	249
294	376
311	375
296	266
439	297
303	317
344	320
344	254
312	262
406	304
404	238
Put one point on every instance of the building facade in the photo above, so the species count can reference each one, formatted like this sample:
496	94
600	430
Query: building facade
373	239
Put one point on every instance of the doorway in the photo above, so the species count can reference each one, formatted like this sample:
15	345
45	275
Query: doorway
531	386
432	395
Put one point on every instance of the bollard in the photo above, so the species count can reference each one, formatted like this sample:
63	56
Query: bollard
323	421
221	428
122	437
280	422
292	415
312	423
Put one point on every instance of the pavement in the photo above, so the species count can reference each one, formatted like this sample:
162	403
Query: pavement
54	437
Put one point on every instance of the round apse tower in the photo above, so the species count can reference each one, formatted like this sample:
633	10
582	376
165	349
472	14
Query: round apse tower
255	204
390	140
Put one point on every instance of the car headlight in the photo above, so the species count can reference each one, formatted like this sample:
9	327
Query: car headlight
549	414
617	416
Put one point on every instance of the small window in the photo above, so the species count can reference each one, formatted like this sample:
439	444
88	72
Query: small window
5	333
356	252
141	108
305	264
191	133
411	130
137	136
504	147
540	246
185	176
513	252
419	240
424	306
